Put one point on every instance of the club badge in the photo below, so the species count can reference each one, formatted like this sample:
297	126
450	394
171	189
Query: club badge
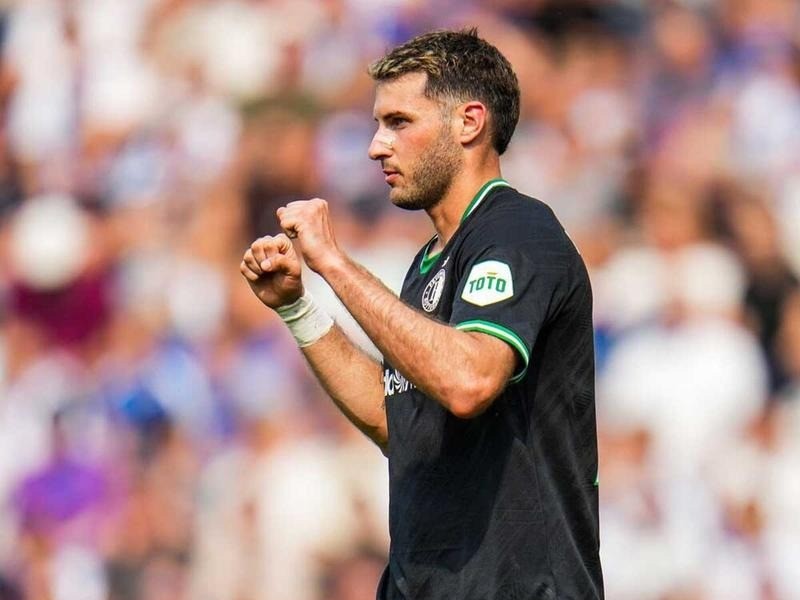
433	292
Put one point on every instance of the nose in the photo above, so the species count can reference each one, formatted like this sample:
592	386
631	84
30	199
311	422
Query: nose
381	145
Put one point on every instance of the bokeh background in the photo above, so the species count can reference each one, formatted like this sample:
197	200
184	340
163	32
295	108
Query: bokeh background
160	436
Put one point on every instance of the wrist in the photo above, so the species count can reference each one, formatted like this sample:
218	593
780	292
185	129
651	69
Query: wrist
336	262
306	321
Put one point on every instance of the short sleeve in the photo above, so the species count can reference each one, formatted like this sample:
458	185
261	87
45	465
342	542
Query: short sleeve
509	292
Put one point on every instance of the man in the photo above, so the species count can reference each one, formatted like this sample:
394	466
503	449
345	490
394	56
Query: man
484	403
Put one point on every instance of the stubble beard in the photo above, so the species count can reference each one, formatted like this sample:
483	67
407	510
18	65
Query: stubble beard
431	175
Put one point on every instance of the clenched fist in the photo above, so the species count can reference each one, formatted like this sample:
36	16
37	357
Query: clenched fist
308	222
272	268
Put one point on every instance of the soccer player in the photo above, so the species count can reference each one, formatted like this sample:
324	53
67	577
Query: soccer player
484	403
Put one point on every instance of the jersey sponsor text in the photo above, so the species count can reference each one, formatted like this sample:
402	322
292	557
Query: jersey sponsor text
488	282
395	383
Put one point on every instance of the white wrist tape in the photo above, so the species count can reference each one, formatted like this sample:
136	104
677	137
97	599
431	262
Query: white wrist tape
306	321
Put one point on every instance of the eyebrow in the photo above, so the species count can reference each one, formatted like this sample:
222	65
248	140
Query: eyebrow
391	115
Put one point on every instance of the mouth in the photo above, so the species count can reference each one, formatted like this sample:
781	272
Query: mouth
390	175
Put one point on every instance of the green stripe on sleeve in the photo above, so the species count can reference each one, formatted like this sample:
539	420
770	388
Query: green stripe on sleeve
504	334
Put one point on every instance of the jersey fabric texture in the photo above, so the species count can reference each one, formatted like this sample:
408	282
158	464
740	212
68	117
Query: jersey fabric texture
503	506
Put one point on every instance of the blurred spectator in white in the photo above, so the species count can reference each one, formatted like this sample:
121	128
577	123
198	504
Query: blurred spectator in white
272	508
42	54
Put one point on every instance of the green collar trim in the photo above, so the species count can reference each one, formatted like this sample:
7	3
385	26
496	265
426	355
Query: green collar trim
428	260
481	195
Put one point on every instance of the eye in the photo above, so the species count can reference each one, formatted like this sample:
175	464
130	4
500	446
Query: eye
397	122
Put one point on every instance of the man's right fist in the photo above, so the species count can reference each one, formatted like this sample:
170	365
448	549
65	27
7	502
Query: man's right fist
272	268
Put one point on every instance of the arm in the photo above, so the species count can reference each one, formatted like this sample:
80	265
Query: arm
351	378
463	371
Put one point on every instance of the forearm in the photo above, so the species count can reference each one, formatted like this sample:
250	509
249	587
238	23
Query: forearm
440	360
353	380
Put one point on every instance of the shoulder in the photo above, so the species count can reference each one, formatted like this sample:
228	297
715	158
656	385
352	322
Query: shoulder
513	220
510	207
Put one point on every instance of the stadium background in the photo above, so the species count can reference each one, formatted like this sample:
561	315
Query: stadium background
159	435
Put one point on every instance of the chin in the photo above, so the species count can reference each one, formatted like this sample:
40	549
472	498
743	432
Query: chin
412	203
401	200
406	206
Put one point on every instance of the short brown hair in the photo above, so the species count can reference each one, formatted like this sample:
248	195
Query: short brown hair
460	67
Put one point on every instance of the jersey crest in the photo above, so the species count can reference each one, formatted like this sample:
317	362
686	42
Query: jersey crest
488	282
433	291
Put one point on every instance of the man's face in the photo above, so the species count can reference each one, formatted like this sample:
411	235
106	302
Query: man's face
415	143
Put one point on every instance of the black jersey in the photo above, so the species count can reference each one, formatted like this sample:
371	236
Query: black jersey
502	506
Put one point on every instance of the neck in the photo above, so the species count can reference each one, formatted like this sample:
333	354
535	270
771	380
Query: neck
446	215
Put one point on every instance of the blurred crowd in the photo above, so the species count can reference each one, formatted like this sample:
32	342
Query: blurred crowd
160	436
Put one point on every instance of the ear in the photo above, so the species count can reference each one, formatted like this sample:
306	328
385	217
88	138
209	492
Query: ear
474	121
